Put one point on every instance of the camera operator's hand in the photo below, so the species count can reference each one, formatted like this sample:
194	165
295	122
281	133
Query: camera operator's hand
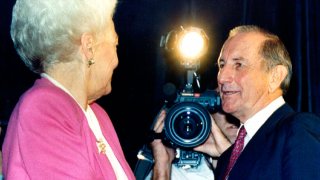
163	156
216	143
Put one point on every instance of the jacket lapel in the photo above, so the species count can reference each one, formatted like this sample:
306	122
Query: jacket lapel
248	158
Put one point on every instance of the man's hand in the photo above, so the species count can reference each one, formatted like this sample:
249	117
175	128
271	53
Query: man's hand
163	156
216	143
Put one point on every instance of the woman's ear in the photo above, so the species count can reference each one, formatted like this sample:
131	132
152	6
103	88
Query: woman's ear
87	45
278	74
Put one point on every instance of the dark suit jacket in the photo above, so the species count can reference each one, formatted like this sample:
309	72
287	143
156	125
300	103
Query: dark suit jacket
287	146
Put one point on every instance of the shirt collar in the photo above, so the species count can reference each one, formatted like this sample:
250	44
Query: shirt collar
55	82
59	85
253	124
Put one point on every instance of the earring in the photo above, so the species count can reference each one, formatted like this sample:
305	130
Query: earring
90	62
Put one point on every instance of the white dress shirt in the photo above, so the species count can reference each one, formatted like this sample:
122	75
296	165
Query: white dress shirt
253	124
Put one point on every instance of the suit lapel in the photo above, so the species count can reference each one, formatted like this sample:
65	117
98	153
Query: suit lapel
252	151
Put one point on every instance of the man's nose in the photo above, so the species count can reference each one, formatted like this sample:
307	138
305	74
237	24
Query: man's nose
225	75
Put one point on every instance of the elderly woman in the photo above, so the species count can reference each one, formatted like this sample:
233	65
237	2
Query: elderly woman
56	131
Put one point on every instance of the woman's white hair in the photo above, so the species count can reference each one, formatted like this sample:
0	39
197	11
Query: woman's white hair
45	32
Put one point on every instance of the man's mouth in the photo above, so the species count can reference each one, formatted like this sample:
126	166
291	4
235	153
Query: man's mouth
229	92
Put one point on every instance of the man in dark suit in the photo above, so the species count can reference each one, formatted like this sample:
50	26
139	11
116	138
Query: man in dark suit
254	73
273	142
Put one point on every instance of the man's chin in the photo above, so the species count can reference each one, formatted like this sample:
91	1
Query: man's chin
227	108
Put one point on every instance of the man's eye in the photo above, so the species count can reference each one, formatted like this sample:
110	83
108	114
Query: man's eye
238	65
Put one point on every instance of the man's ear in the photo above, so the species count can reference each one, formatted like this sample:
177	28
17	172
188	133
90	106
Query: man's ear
278	74
87	45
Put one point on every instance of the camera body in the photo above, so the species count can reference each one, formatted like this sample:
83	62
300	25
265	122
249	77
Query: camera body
188	124
188	120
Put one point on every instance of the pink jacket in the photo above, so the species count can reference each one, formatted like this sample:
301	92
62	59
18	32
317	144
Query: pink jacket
48	137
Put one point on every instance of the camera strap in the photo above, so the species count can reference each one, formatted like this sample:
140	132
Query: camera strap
145	160
144	164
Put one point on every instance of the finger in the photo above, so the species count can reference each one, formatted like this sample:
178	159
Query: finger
160	128
160	120
215	130
214	126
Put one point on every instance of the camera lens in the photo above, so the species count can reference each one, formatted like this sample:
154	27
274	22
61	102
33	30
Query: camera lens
187	124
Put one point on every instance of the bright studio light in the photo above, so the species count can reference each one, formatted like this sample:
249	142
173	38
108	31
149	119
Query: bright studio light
187	45
192	43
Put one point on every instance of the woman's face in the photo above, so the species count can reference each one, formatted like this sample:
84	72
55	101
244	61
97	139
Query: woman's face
106	60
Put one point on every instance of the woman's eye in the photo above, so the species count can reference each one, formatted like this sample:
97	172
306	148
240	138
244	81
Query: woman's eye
220	65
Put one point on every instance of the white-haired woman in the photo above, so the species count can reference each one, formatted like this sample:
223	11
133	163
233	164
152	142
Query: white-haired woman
56	130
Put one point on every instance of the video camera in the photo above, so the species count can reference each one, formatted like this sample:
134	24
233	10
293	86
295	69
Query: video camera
188	124
188	120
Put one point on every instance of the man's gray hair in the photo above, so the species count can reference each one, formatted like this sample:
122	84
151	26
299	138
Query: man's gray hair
272	50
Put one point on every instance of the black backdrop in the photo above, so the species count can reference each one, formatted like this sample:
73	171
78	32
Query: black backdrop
142	71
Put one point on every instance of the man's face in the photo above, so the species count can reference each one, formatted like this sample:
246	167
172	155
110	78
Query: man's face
242	79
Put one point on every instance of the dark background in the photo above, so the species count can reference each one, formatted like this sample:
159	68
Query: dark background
143	69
